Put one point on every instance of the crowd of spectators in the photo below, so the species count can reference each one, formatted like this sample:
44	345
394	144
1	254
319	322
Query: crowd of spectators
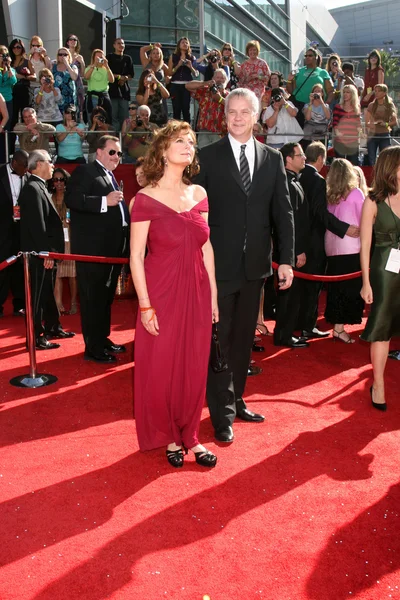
310	103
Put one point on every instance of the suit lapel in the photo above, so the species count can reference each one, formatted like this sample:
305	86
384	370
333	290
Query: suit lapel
232	167
46	194
259	157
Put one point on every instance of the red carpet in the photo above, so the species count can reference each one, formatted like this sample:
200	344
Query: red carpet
304	506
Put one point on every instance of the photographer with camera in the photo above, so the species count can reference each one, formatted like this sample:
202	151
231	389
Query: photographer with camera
24	73
280	118
98	75
32	133
152	93
137	132
99	127
211	98
48	99
317	116
228	59
182	70
70	136
214	62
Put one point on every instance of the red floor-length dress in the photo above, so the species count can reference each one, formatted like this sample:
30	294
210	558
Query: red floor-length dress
171	368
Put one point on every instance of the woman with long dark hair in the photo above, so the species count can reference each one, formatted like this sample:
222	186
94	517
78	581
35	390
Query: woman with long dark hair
182	71
152	93
74	46
374	74
381	278
25	73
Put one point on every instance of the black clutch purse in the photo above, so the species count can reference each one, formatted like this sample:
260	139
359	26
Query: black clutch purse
218	362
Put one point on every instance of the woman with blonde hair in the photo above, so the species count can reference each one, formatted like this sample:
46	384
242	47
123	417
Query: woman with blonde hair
346	125
65	75
38	57
74	46
381	279
254	72
169	215
362	182
345	200
98	75
380	117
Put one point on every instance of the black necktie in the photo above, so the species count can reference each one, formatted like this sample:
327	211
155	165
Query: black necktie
244	169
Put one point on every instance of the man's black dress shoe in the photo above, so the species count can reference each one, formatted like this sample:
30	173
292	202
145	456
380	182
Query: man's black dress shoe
58	334
100	357
43	343
225	435
314	334
19	313
247	415
253	370
114	348
292	343
257	348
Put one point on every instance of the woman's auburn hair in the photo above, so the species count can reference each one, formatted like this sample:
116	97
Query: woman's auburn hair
385	174
177	50
253	44
340	181
153	165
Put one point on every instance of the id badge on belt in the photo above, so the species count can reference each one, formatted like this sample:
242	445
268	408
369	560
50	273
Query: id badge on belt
16	212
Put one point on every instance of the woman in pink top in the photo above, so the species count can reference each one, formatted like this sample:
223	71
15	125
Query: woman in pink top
345	200
254	72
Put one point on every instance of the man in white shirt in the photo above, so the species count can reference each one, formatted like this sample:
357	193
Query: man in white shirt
12	179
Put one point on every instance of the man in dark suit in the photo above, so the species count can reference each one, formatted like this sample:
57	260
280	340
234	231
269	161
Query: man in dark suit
41	230
99	227
288	300
314	186
12	179
248	194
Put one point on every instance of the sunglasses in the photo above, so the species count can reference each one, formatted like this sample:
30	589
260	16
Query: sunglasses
62	54
112	152
309	56
69	112
133	108
58	178
72	39
17	47
33	46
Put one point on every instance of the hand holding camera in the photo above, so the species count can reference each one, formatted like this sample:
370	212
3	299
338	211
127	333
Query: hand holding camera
315	96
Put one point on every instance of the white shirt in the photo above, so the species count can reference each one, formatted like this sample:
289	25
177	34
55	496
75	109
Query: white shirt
104	206
250	152
15	185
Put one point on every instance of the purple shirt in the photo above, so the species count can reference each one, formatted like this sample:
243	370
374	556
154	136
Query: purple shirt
348	210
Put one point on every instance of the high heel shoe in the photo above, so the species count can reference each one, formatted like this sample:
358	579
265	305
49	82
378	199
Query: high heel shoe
205	458
175	457
346	340
379	405
263	329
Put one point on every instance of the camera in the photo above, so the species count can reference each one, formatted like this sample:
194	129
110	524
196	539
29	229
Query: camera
213	58
335	63
47	80
149	79
276	98
100	118
214	88
185	61
316	96
101	60
225	58
139	121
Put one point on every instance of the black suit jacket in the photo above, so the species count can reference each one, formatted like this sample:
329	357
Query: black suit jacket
93	232
41	227
9	229
301	213
314	186
236	218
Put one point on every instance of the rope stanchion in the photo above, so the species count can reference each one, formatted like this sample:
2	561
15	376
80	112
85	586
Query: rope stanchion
32	379
9	261
84	258
332	278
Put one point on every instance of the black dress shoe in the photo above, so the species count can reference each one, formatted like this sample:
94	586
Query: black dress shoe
114	348
19	313
257	348
314	334
247	415
292	343
58	334
253	370
43	343
225	435
100	357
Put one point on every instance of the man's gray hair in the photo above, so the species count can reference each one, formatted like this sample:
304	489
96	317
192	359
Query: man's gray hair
144	107
31	110
224	74
35	157
243	93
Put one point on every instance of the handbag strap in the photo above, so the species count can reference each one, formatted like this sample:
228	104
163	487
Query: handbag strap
304	82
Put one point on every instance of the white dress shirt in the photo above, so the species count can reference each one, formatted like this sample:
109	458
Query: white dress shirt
15	185
104	206
250	152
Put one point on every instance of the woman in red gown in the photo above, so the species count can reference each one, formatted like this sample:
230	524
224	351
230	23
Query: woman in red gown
177	295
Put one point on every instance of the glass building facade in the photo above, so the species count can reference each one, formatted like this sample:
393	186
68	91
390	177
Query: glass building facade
211	23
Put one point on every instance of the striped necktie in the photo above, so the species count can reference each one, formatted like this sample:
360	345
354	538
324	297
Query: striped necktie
244	169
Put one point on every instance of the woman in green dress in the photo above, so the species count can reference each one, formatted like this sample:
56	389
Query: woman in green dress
381	278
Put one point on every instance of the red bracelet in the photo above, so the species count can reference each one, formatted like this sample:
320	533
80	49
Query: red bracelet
146	309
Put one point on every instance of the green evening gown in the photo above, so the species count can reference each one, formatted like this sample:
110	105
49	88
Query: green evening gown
384	318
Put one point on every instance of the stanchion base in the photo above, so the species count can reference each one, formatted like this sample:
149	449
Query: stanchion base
26	381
